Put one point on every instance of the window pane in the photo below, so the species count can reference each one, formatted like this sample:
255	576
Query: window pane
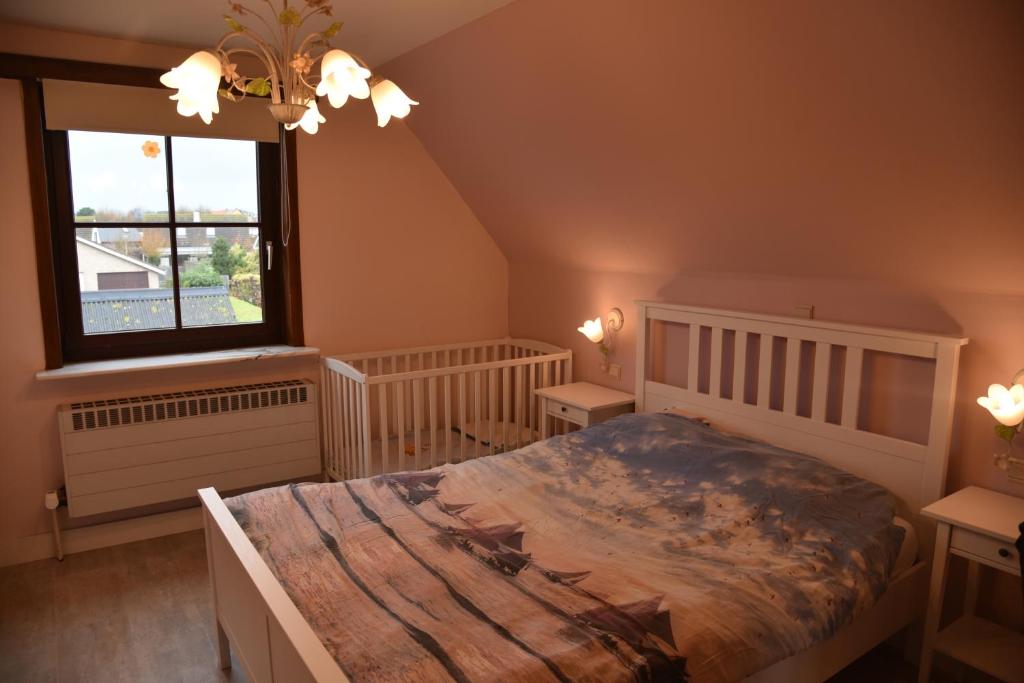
124	278
215	181
219	274
116	177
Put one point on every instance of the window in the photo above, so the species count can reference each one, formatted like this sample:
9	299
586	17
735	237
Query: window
164	244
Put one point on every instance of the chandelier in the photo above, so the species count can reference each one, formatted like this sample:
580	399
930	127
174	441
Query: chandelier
289	80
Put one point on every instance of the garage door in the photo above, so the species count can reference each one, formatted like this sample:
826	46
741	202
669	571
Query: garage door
138	279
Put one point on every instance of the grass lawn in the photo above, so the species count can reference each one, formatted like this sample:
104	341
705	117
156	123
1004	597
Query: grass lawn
245	312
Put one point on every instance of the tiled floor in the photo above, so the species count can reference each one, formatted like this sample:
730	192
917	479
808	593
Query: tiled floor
141	612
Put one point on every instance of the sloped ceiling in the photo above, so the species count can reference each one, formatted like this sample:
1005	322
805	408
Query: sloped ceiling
868	140
377	30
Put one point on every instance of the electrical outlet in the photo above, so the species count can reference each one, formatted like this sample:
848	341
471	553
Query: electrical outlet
615	370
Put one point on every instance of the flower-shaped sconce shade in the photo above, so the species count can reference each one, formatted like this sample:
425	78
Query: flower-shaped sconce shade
310	121
1006	405
592	330
196	80
150	149
390	101
341	77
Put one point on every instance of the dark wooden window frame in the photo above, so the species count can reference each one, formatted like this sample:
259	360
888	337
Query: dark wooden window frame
283	319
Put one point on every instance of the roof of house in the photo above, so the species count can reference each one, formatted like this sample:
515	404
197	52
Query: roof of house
128	310
106	250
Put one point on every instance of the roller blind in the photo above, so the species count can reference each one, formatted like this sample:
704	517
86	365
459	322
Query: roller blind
74	105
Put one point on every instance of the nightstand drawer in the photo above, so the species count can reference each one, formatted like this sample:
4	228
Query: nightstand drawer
985	549
570	413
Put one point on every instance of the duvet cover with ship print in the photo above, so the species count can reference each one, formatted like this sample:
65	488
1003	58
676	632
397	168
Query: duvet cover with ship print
649	547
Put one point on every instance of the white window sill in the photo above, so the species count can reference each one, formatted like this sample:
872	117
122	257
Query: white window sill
178	360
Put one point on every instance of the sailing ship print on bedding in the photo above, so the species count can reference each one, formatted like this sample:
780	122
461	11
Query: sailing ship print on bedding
649	547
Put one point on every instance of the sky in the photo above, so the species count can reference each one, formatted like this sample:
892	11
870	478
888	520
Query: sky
110	171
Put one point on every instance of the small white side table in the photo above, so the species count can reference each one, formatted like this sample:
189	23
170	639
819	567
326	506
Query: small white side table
582	404
981	526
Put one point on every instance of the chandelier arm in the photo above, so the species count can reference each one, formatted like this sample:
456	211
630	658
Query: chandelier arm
311	36
244	50
311	12
269	60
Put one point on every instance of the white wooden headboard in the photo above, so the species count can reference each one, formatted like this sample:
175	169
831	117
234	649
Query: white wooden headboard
914	472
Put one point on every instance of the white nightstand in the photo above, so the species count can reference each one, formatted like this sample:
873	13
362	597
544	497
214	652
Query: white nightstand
979	525
582	403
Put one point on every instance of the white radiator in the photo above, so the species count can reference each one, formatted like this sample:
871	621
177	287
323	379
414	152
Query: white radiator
128	452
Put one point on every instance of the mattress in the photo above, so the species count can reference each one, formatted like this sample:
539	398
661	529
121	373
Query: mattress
647	547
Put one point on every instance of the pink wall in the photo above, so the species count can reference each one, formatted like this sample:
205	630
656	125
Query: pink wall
391	256
867	158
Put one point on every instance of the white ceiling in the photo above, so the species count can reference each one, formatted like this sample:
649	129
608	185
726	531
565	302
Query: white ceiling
376	30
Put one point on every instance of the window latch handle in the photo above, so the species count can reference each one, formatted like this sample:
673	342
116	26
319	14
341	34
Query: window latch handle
270	254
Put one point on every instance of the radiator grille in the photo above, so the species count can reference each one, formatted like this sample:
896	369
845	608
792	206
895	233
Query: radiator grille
185	404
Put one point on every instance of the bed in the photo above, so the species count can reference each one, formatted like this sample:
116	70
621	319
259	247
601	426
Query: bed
584	557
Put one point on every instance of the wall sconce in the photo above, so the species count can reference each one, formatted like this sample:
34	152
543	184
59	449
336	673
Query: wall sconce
1007	407
594	331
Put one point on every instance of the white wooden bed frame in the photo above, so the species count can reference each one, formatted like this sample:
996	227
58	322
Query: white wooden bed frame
273	642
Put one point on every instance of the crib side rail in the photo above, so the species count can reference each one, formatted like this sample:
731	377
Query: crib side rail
344	419
563	356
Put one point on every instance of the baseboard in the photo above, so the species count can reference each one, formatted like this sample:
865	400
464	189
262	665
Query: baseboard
41	546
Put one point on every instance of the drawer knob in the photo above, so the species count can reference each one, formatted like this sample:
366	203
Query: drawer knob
1003	552
564	409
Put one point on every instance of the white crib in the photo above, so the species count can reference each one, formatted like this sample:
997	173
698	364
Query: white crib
411	409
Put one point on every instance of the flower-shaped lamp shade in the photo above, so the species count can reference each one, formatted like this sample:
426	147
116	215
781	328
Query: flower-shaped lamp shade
1006	405
592	330
196	80
390	101
341	77
310	121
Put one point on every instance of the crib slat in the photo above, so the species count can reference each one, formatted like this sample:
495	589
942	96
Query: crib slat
351	400
400	424
447	418
343	389
506	407
364	432
478	435
492	406
432	390
417	420
531	415
519	405
540	406
382	397
350	464
462	413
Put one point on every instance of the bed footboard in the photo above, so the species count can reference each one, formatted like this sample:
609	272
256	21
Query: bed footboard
253	615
